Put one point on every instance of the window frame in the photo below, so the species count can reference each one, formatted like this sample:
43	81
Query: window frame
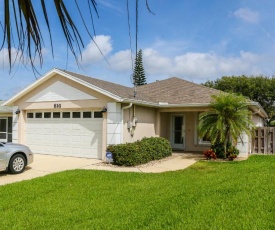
200	140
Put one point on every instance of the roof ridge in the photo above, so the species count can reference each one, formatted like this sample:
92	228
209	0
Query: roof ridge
97	79
196	84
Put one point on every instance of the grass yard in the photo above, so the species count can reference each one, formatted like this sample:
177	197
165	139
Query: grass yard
207	195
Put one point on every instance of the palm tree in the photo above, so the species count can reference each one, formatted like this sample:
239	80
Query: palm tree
227	118
23	20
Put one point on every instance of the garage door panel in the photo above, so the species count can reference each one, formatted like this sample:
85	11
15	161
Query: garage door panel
40	148
67	137
66	150
94	127
47	148
39	136
56	150
76	138
76	127
57	137
30	138
96	153
87	139
66	127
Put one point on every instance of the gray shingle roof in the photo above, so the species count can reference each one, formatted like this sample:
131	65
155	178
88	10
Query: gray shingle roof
177	91
172	90
116	89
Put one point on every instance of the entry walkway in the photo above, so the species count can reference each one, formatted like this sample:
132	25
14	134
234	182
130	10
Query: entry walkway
47	164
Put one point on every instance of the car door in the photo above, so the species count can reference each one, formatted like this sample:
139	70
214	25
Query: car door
3	156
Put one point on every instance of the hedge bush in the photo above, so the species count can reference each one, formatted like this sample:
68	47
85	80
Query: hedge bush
140	152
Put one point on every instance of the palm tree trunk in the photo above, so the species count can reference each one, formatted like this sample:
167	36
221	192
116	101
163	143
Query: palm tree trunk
227	136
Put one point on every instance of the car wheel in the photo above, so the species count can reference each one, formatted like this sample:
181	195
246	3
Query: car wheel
17	164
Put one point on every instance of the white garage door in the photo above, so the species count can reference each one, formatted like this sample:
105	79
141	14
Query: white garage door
66	133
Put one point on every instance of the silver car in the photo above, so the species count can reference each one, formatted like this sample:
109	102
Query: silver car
14	157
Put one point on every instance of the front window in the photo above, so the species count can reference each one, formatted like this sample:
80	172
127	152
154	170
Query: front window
98	114
203	140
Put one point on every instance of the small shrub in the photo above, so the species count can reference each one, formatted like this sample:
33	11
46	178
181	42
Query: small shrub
210	154
156	147
232	152
140	152
217	151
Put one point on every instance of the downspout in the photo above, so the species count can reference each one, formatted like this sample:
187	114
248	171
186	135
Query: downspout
127	107
123	108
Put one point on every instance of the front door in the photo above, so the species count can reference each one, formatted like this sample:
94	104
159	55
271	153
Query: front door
178	132
3	129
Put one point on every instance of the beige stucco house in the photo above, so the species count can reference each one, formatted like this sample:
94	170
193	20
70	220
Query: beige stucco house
65	113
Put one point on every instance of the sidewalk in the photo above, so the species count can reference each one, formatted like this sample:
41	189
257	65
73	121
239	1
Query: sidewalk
47	164
173	163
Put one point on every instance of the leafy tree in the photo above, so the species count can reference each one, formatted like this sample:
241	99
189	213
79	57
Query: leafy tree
256	88
227	118
139	74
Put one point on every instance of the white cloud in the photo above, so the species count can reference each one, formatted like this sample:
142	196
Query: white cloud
91	53
4	57
195	66
210	65
247	15
154	62
111	5
121	61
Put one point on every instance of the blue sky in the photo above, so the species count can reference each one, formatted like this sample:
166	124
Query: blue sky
196	40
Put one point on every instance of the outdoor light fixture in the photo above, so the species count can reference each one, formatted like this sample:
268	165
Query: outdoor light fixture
104	109
17	111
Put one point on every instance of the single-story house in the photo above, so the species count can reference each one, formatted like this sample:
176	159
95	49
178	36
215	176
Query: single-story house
65	113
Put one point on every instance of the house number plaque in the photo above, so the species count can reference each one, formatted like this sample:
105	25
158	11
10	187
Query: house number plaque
57	106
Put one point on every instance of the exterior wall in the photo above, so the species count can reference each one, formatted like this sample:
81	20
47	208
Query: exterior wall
245	142
104	136
165	120
146	125
6	114
15	125
191	135
244	145
257	120
114	124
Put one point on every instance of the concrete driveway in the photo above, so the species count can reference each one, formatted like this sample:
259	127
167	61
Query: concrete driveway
47	164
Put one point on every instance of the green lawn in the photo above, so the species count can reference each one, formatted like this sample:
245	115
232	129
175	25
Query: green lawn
207	195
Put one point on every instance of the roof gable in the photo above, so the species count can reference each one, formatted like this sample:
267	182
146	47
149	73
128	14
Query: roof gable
59	91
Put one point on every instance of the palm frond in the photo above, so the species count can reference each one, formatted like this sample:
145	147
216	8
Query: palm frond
22	16
227	119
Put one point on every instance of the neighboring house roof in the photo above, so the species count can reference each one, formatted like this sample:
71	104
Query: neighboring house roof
172	92
5	109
